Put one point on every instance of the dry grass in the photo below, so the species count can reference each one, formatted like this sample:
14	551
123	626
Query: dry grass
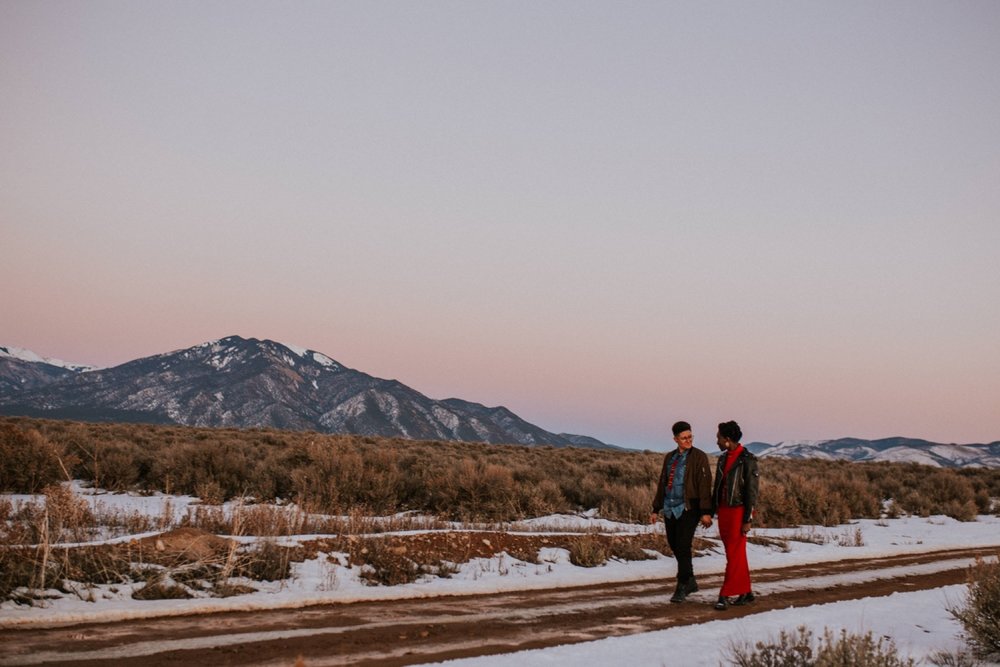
800	649
355	476
980	614
588	551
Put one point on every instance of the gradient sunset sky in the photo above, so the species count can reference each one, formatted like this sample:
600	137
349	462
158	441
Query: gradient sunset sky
605	216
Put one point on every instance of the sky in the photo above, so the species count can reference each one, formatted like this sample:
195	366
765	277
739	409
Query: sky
604	216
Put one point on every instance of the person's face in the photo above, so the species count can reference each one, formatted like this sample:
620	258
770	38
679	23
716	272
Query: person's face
723	443
684	440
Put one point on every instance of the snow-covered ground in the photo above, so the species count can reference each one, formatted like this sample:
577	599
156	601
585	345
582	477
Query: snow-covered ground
918	622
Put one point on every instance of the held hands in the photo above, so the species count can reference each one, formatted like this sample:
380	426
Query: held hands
746	528
706	520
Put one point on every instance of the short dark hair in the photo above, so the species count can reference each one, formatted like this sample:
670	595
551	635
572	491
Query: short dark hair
680	427
731	431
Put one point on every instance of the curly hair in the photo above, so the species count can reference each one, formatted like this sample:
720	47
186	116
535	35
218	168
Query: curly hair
731	431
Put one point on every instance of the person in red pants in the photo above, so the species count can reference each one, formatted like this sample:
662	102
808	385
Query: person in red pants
734	497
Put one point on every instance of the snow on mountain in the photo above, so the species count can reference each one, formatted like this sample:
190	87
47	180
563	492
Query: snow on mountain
250	383
22	371
898	449
22	354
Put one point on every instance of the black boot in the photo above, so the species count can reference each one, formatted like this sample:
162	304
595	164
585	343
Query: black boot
722	604
692	586
679	593
746	598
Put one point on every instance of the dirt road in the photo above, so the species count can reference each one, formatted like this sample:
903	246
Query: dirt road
405	632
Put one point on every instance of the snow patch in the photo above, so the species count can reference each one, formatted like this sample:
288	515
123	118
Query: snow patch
447	418
297	349
324	360
22	354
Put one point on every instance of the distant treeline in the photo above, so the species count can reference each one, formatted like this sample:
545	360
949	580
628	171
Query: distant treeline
454	480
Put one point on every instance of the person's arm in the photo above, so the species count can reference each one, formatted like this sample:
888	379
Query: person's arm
658	496
751	488
704	488
714	507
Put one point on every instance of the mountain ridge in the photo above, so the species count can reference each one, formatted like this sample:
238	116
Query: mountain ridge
894	449
246	383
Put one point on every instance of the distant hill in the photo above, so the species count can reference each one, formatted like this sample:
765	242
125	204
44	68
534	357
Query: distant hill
23	370
895	449
245	383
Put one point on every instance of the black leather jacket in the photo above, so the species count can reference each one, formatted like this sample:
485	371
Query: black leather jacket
741	483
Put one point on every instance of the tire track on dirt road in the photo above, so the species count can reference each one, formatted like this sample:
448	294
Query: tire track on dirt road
404	632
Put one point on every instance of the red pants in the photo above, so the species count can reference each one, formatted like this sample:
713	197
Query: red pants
737	580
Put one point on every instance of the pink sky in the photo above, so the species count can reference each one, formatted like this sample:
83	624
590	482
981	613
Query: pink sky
603	219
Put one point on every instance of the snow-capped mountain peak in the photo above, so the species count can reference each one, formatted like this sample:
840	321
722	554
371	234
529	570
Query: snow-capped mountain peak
22	354
237	382
904	450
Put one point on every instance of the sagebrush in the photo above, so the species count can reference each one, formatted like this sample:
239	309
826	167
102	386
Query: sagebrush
980	613
801	649
339	474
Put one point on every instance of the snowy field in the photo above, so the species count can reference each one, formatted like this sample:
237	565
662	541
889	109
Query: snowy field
918	622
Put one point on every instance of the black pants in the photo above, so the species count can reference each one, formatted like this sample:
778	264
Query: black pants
680	535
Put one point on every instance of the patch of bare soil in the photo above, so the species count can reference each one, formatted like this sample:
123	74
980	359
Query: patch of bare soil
183	545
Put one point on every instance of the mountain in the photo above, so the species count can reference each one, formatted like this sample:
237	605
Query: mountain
22	370
897	449
245	383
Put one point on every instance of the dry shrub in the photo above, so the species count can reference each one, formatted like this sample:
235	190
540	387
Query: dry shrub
459	481
852	538
961	511
271	521
69	516
210	492
629	503
624	549
28	461
389	563
111	464
210	518
43	567
538	498
483	491
775	506
524	552
265	561
59	516
770	542
103	564
587	551
125	523
159	590
223	589
18	569
956	658
980	614
798	649
382	565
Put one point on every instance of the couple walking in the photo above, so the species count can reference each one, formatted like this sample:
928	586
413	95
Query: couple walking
686	496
